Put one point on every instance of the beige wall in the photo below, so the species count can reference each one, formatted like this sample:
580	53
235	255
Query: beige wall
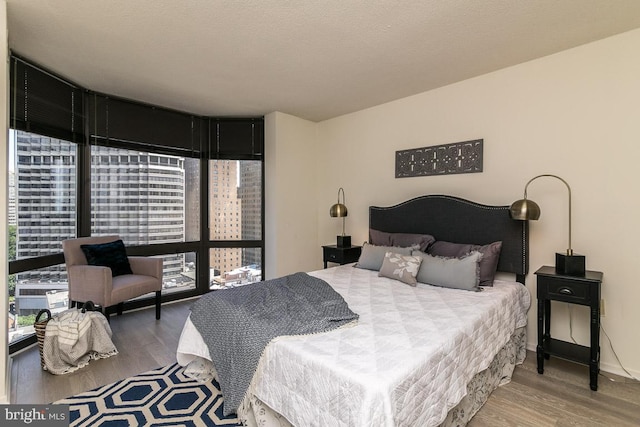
574	114
291	223
4	153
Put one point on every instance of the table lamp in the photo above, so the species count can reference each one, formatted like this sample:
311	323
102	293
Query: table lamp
339	210
524	209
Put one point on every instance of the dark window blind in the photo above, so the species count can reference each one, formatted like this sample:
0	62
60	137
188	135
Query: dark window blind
45	104
122	123
239	139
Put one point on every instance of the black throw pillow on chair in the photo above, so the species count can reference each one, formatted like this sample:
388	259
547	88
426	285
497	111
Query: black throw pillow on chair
112	255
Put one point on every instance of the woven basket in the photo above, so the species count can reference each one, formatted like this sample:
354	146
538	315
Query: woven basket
40	326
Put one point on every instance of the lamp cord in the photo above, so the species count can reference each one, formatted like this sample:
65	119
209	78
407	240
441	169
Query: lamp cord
635	380
571	325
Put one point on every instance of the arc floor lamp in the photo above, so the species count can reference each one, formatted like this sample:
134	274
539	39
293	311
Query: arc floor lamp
525	209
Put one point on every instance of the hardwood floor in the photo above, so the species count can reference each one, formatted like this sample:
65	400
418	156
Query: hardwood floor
143	344
560	397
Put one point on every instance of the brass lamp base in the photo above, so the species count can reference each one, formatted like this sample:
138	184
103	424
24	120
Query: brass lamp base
571	265
344	241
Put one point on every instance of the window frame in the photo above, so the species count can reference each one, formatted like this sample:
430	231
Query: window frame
211	138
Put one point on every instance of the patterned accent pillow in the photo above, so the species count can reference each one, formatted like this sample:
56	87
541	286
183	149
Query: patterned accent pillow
400	267
112	255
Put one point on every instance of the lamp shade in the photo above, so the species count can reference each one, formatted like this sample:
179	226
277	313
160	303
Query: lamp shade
525	209
338	210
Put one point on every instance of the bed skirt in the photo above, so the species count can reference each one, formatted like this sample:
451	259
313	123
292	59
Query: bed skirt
254	413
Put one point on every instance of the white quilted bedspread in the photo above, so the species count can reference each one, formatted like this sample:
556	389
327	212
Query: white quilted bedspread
405	363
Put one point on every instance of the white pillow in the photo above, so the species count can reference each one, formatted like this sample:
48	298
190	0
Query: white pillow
457	273
400	267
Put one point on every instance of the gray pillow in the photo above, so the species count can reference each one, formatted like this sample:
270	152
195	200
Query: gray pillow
400	267
403	240
488	264
372	256
457	273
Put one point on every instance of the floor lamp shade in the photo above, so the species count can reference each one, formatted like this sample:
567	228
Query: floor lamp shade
525	209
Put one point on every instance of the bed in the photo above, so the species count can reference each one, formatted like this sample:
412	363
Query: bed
419	355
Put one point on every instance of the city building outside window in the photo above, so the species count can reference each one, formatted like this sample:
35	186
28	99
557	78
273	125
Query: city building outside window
235	213
42	213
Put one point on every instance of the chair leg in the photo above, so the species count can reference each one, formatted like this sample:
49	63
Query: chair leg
105	312
158	305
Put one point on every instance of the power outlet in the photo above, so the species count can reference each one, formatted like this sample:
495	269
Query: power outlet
602	307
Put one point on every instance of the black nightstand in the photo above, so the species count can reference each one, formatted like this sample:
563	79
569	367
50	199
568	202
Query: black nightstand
582	290
332	253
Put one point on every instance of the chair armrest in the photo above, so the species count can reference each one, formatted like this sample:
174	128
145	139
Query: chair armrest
146	266
90	283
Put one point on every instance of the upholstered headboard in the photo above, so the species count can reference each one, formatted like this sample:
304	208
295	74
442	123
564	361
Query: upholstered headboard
458	220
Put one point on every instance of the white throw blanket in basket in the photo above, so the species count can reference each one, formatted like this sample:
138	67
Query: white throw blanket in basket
72	338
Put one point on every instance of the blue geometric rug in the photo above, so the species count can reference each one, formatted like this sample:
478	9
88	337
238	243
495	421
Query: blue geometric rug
162	397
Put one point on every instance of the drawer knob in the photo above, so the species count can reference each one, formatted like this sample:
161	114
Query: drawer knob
565	291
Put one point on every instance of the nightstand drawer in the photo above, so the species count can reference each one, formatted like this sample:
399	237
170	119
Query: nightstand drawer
565	290
333	257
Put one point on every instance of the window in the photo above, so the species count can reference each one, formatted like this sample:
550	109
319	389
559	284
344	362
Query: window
42	197
42	213
232	267
144	202
86	163
235	214
235	210
148	203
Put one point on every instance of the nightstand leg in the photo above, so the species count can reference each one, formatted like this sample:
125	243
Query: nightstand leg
594	358
593	376
547	319
540	357
547	324
541	326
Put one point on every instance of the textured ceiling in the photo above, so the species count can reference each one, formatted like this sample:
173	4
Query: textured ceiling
309	58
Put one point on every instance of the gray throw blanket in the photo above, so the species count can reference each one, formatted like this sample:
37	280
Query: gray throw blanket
237	324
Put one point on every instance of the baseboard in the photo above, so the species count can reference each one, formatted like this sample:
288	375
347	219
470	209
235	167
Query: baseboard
617	370
604	367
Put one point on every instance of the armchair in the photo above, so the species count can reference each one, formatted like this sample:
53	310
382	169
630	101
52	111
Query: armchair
96	283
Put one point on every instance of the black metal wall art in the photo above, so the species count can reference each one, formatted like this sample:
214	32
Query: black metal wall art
446	159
